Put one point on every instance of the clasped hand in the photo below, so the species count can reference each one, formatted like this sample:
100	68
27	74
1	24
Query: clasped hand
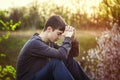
69	31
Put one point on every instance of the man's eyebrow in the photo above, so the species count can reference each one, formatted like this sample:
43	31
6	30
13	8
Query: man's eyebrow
60	32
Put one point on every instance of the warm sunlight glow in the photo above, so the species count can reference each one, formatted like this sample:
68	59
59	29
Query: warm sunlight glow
85	6
89	7
6	4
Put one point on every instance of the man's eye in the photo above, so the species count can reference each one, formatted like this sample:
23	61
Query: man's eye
59	33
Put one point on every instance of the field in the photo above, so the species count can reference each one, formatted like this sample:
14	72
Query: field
11	47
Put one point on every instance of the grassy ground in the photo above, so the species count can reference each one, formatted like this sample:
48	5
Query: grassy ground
12	46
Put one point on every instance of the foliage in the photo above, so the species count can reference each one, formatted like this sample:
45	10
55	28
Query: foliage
7	73
110	11
8	26
34	15
3	14
105	56
2	55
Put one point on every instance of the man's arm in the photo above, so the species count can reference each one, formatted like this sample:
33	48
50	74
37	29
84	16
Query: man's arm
39	49
75	49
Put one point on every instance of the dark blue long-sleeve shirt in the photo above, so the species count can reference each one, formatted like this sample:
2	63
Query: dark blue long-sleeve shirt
36	54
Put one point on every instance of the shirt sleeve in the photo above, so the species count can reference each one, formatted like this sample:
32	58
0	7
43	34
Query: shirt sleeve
39	48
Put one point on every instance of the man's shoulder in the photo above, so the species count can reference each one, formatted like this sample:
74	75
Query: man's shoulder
36	36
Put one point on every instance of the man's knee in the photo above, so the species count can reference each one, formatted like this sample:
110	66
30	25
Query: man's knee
56	62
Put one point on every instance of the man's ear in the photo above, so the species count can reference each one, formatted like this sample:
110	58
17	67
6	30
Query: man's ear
49	28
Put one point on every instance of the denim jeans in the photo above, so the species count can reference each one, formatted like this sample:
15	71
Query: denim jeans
75	69
54	70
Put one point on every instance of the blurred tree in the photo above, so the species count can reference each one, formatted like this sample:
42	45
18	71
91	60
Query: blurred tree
110	11
7	72
74	12
16	14
8	26
79	20
34	17
64	12
3	14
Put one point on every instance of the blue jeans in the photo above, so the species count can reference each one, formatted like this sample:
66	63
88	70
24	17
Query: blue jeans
75	69
54	70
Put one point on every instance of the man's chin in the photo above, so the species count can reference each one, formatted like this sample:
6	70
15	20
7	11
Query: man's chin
54	40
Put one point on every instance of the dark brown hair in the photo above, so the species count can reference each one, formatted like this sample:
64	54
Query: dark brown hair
56	22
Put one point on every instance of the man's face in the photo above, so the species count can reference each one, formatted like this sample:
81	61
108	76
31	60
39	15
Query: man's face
55	35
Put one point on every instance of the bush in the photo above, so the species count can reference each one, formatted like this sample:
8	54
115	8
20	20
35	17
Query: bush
106	56
7	73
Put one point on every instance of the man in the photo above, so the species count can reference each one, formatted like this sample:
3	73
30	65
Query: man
39	60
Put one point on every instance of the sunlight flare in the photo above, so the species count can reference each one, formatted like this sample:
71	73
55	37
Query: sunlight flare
89	7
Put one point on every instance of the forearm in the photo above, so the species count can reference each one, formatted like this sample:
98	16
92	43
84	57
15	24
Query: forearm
42	49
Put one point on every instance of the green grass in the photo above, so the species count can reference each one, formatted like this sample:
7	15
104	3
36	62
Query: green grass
12	46
87	40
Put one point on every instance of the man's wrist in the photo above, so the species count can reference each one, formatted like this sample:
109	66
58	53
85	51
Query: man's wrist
68	39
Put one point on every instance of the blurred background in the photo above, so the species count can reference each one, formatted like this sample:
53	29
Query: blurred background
98	30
